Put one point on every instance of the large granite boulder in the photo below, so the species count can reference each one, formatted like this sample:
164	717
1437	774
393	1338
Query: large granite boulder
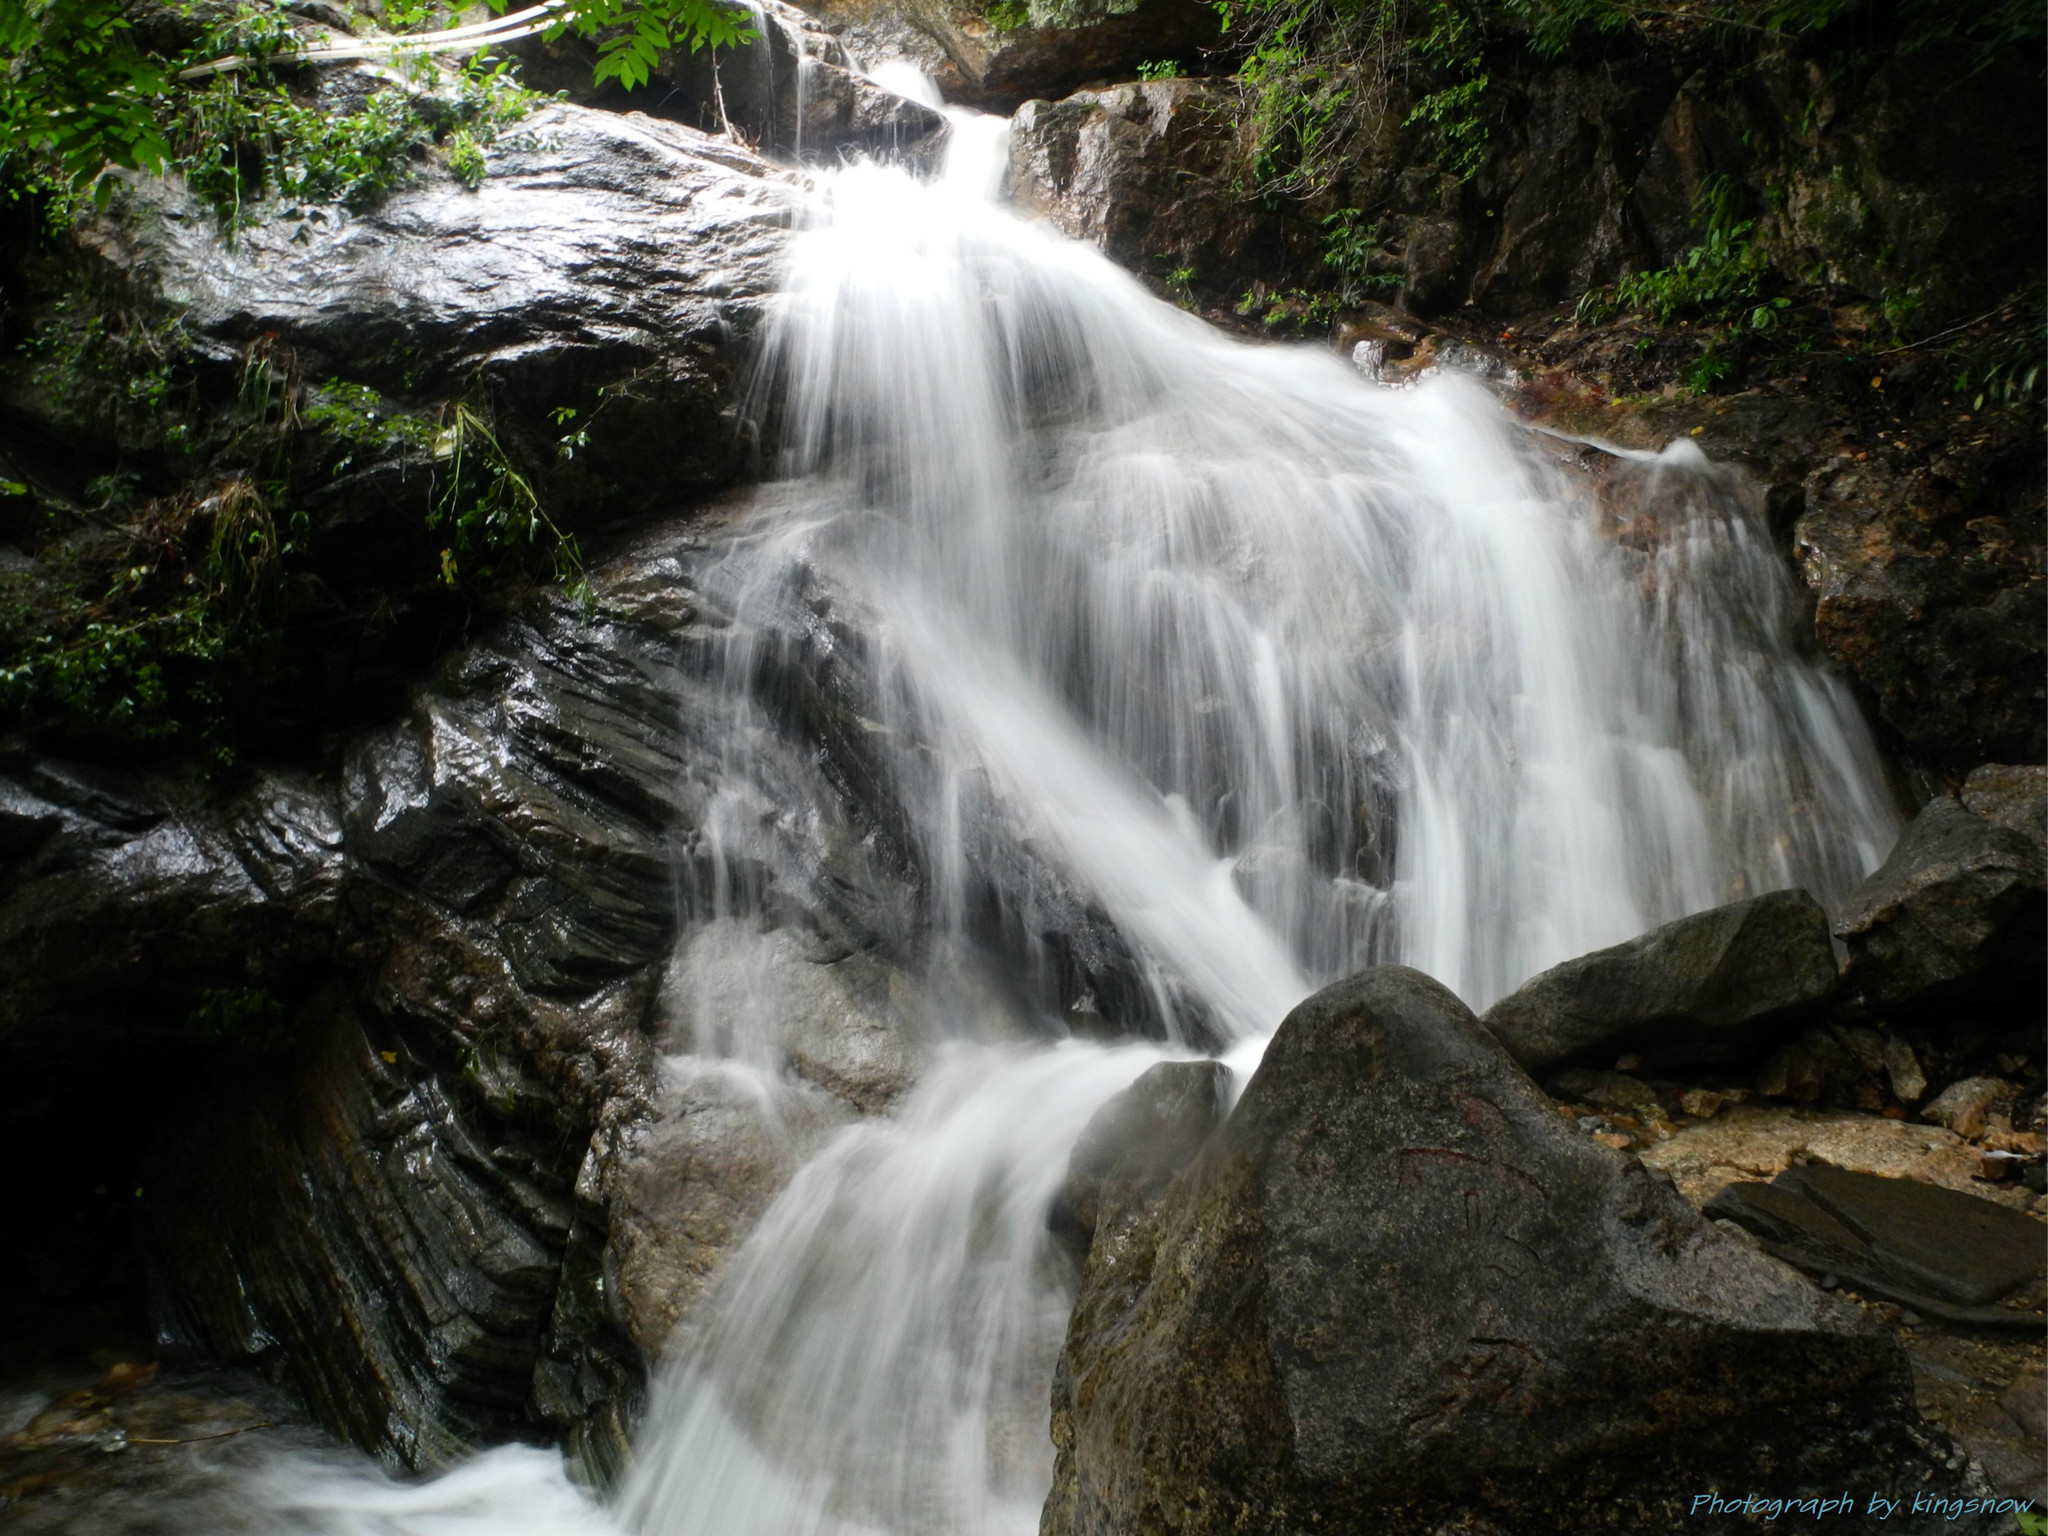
1395	1292
1702	989
1952	921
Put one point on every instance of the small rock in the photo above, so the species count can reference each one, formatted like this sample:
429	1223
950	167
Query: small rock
1702	1103
1613	1139
1902	1067
1964	1107
1607	1089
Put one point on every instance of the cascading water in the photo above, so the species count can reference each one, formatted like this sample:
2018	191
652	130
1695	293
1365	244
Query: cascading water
1273	672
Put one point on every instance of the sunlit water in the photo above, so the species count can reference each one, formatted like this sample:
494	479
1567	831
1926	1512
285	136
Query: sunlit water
1280	672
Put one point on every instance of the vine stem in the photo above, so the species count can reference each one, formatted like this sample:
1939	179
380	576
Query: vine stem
499	29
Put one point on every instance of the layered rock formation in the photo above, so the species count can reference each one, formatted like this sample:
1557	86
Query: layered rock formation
388	1047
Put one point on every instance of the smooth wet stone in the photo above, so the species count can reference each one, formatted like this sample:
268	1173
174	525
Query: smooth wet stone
1946	1254
1703	989
1961	1248
1396	1292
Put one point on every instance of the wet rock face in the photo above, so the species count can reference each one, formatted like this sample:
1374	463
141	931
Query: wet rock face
1951	921
383	1051
1701	989
1395	1292
601	249
1927	586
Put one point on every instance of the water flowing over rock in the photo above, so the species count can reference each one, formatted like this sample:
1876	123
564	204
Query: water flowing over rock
998	59
794	92
1396	1292
416	1018
1704	988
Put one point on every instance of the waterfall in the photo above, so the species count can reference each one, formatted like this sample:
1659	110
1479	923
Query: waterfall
1273	670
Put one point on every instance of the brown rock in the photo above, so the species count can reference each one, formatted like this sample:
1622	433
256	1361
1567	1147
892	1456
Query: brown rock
1964	1107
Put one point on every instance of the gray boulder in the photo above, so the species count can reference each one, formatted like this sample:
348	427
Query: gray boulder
1396	1293
1703	989
1951	921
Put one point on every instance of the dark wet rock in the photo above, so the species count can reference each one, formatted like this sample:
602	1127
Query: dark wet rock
1814	1065
2026	1401
1952	920
1947	1254
1056	47
2015	798
1395	1283
1927	586
1706	988
794	92
1133	1147
382	1050
1564	221
356	1191
601	249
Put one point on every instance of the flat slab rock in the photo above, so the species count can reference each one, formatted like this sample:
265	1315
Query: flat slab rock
1395	1292
1915	1243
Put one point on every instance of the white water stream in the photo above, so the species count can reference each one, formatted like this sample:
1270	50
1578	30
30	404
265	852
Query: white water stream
1283	673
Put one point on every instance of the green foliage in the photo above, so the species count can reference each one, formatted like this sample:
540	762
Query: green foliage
1721	279
1322	73
633	34
1353	251
489	507
1007	15
77	96
251	1018
1159	69
466	158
